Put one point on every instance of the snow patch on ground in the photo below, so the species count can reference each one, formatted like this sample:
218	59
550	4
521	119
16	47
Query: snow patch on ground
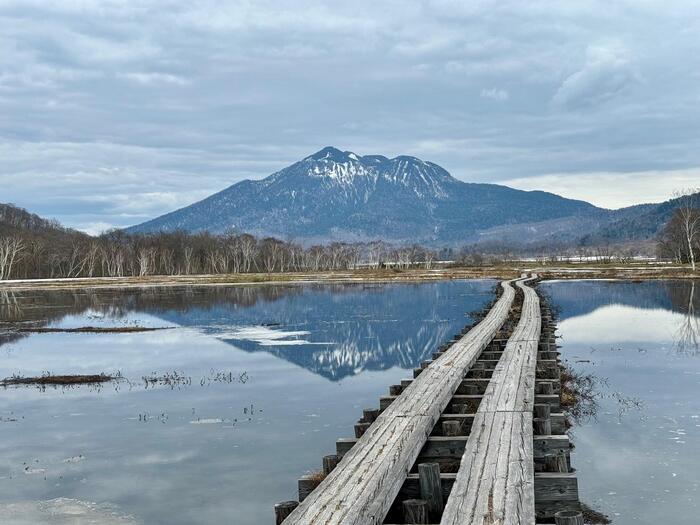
266	336
207	421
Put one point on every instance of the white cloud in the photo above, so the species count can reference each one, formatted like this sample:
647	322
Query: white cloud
618	323
612	189
155	78
495	94
154	103
96	228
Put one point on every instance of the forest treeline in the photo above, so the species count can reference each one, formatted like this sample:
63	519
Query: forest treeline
32	247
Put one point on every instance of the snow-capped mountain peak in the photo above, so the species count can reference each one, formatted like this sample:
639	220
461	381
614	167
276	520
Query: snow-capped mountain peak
344	167
334	194
331	154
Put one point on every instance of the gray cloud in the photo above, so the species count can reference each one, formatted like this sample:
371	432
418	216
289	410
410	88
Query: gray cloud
606	74
115	111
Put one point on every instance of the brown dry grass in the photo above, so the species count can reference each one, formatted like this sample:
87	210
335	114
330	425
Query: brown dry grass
632	271
594	517
579	394
317	476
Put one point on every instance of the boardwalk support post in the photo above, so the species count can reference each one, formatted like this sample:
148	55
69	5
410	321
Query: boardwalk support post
556	463
284	509
306	484
542	422
415	511
451	428
329	463
431	487
544	388
568	517
370	415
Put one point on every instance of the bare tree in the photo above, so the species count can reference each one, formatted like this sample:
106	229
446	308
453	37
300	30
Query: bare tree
11	249
688	212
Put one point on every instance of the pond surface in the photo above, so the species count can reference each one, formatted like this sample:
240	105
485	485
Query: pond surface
638	456
262	381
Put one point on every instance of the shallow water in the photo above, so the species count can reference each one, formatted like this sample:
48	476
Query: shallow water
269	378
638	456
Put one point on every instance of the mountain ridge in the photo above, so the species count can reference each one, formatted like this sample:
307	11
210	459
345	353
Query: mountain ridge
339	195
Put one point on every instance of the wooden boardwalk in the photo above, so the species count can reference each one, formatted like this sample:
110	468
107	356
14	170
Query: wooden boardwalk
469	413
495	482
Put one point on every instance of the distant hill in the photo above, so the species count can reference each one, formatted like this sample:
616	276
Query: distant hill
338	195
18	221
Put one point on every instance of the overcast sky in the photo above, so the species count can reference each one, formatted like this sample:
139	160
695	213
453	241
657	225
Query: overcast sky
113	112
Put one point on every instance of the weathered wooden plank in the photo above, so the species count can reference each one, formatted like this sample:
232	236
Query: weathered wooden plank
474	399
495	482
442	446
549	488
556	486
361	489
558	421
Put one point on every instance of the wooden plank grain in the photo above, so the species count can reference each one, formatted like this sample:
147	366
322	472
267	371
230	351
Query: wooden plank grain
495	481
361	489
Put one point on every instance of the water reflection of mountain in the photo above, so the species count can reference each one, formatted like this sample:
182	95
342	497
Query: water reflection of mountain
576	298
367	327
362	328
41	308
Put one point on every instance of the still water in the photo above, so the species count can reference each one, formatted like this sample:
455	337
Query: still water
638	451
262	382
264	379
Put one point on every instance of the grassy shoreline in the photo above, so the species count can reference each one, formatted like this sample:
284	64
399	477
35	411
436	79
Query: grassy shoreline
505	271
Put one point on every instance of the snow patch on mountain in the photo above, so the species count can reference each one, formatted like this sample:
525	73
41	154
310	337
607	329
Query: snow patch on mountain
340	195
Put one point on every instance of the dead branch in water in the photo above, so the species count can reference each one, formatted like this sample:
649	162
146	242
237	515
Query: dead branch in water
50	380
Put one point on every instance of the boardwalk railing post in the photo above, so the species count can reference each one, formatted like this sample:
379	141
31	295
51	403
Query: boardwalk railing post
431	487
568	517
284	509
415	511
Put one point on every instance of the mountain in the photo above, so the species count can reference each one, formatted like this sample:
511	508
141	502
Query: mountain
338	195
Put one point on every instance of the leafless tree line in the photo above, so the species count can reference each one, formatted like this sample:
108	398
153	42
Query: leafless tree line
680	239
118	254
